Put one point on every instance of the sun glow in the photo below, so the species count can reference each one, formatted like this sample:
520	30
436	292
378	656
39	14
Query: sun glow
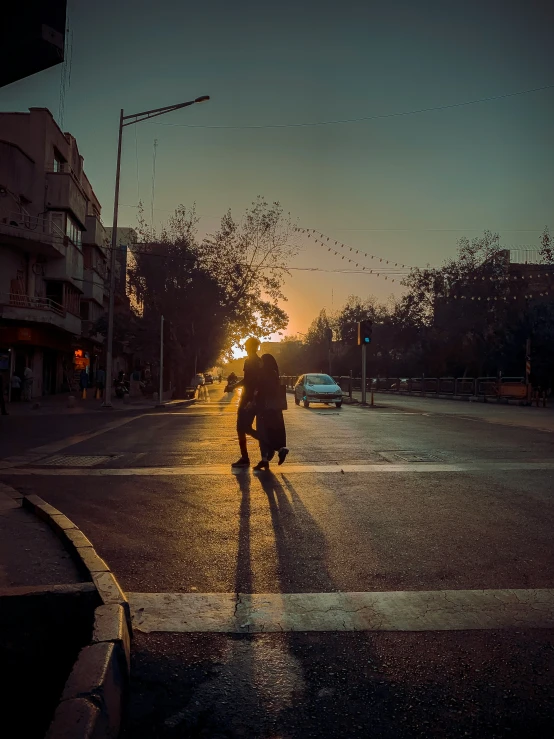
238	351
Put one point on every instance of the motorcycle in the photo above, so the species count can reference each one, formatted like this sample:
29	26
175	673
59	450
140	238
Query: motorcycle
121	388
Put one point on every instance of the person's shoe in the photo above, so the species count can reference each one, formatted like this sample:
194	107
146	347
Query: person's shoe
241	463
261	466
283	451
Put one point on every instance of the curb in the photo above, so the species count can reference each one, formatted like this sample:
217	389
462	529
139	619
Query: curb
94	700
169	404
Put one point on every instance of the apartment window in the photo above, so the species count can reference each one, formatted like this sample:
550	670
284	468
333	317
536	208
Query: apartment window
85	310
73	231
58	161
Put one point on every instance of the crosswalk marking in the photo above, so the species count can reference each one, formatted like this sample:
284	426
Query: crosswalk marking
438	610
300	468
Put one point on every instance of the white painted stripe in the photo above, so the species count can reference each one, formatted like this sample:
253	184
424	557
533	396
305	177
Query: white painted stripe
440	610
218	470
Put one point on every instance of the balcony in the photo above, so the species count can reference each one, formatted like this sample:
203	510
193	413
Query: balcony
93	286
95	233
69	269
15	307
33	234
63	192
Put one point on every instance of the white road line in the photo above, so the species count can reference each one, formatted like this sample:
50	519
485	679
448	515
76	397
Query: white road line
32	455
440	610
225	470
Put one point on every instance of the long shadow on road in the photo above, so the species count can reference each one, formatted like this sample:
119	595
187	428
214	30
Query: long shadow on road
298	685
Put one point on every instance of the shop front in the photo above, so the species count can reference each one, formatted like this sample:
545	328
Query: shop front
40	354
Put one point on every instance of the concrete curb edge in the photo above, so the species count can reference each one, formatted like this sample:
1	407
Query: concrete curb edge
94	701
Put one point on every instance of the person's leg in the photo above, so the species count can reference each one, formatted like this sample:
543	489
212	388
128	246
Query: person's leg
244	422
242	444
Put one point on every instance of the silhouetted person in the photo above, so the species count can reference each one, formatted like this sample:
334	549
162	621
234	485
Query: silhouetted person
246	411
270	424
2	401
16	387
101	381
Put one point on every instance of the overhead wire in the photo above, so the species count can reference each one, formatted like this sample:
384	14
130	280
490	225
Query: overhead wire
382	116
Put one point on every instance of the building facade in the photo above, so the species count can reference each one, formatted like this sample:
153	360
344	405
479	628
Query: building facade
53	253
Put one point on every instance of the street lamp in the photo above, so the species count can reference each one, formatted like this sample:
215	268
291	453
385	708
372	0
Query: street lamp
125	120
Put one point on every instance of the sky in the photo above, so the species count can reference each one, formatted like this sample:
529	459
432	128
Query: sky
404	188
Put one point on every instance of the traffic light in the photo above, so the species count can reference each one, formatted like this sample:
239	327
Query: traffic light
365	329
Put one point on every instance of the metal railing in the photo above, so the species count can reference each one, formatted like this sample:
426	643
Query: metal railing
497	387
26	301
37	224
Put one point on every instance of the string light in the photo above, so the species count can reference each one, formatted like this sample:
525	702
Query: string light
501	278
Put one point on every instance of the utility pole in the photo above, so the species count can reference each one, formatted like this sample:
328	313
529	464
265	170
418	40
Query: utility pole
329	333
127	120
528	368
365	331
162	360
109	344
364	374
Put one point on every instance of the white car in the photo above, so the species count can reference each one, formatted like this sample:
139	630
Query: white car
317	388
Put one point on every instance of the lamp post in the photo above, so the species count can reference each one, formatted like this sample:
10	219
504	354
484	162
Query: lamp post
127	120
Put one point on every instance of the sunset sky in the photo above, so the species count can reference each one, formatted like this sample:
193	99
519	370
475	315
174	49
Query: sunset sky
404	187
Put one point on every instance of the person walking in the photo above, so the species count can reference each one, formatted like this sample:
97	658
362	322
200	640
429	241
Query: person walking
27	383
246	410
2	401
100	382
83	382
270	424
16	387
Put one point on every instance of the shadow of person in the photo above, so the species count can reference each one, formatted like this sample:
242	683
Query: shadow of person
243	572
334	666
299	541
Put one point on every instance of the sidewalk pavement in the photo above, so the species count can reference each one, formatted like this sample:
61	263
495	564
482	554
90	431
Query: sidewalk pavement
60	404
64	627
539	419
41	620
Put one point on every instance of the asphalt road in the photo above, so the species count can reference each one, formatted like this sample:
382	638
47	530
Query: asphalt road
404	498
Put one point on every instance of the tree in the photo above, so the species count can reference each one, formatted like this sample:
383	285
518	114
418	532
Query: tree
216	291
546	252
249	261
461	307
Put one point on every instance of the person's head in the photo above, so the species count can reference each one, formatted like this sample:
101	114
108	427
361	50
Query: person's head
270	363
252	345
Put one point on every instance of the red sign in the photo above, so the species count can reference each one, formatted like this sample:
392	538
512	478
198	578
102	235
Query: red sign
24	334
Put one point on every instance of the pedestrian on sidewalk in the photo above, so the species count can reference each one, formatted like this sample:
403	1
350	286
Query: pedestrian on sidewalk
100	381
2	401
83	380
270	403
27	383
16	387
246	411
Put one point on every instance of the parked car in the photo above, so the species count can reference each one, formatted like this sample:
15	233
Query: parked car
317	388
400	384
208	379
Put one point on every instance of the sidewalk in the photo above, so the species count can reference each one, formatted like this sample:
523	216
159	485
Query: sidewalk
65	627
43	622
59	404
540	419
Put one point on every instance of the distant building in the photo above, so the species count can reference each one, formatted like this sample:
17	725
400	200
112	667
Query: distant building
52	252
126	240
536	281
